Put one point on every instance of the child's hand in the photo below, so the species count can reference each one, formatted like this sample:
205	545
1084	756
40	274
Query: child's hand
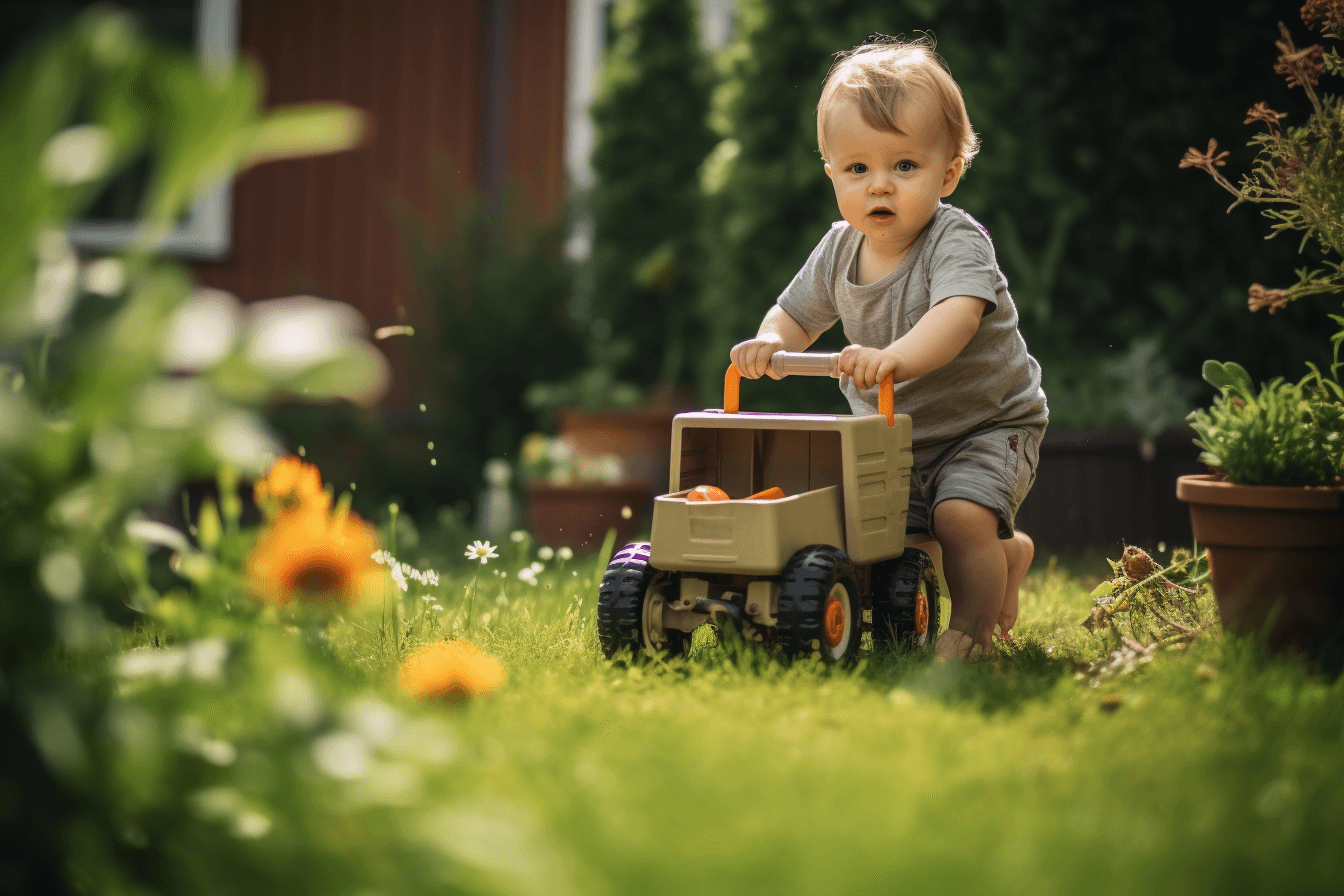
752	357
867	366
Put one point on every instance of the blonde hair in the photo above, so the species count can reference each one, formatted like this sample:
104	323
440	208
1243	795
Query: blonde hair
882	74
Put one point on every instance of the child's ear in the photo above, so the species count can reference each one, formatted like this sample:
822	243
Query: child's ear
827	166
952	176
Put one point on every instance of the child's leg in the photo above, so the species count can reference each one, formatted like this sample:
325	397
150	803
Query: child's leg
1018	552
976	564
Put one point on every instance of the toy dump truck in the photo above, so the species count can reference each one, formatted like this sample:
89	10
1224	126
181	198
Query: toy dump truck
789	526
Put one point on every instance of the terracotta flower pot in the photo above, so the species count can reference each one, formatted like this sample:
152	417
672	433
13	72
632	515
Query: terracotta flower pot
1276	555
579	515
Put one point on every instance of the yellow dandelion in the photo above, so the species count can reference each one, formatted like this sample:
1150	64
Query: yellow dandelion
310	555
450	670
291	485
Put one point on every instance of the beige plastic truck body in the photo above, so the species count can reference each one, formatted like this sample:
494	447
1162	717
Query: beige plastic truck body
846	481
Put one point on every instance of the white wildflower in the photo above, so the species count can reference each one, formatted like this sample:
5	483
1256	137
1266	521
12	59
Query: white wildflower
483	551
399	577
565	554
545	552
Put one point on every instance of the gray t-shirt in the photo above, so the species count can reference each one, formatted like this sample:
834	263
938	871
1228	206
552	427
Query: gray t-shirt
993	382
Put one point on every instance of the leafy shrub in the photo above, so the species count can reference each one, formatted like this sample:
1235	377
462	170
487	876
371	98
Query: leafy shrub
652	136
1285	434
498	287
1290	434
116	381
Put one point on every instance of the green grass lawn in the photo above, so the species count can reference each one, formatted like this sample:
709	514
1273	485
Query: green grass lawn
1208	769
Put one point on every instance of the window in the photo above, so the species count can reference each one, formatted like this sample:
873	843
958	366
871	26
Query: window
211	27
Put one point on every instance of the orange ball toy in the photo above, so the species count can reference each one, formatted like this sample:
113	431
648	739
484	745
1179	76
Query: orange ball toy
707	493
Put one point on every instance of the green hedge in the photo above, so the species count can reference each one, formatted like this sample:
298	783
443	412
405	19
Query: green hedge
652	135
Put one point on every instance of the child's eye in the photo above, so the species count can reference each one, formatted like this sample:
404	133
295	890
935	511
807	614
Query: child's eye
859	168
905	166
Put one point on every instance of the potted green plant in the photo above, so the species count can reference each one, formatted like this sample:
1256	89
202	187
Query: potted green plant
1271	512
610	455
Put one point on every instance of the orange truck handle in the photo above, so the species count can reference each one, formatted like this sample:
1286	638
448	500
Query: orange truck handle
805	364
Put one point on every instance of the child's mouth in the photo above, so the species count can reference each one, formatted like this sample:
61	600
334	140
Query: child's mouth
882	213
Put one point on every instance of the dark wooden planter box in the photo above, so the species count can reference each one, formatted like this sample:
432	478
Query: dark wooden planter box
579	515
1094	488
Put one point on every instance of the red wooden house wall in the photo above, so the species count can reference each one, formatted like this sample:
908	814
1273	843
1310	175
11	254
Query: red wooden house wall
418	68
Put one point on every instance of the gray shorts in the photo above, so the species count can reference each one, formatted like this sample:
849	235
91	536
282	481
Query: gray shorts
993	467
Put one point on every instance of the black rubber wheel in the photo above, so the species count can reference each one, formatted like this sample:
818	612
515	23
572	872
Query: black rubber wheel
628	604
906	608
820	607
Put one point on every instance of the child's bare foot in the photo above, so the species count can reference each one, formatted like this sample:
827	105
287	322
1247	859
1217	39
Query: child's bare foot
955	645
1019	551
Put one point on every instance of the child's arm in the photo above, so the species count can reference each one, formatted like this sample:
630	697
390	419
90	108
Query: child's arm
939	337
779	332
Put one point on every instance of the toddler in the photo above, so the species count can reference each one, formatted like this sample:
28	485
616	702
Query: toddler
915	283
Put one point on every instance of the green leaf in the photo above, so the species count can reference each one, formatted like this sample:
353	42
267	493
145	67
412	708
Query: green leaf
1228	377
1105	589
308	130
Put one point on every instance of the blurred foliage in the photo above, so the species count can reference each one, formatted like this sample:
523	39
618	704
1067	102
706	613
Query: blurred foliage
498	287
595	386
117	381
652	136
1080	106
1137	390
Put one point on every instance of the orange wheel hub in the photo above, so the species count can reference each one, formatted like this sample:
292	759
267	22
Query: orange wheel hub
921	613
835	621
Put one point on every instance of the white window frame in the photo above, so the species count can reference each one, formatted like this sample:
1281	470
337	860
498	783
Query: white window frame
206	231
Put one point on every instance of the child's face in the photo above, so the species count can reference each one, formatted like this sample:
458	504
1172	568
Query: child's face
888	185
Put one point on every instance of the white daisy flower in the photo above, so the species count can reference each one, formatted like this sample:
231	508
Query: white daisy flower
565	554
527	575
545	552
537	567
483	551
517	535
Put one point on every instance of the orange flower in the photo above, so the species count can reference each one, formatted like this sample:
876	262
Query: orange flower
291	485
450	670
311	555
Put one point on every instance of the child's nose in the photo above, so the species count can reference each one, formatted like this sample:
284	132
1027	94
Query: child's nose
880	185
